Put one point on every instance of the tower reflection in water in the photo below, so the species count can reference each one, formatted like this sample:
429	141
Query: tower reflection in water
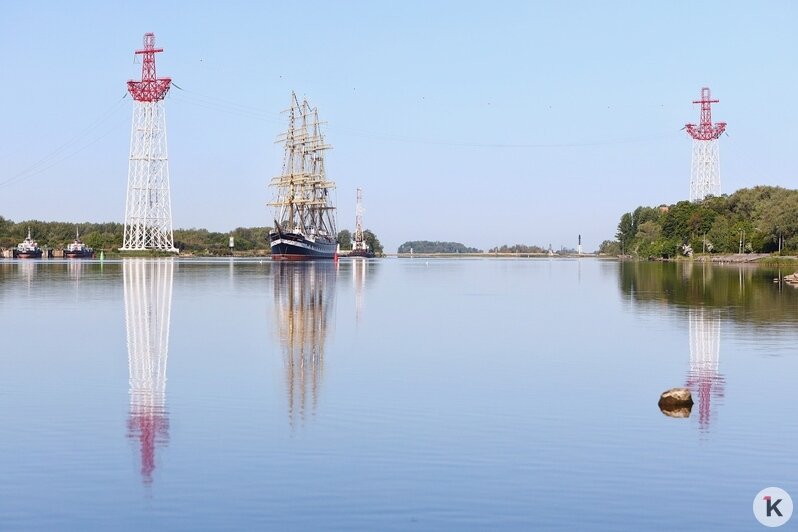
704	378
148	303
360	269
303	295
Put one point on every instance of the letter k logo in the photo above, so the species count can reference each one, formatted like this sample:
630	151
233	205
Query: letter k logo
777	508
772	506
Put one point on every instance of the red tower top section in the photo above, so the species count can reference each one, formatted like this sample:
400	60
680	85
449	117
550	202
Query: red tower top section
705	130
150	88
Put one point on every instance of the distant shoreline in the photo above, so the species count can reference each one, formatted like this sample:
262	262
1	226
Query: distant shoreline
764	259
725	258
499	255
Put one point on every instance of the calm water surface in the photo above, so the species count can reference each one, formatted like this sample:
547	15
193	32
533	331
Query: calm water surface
394	394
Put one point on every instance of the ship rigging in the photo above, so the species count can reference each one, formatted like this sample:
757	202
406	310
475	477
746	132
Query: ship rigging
304	222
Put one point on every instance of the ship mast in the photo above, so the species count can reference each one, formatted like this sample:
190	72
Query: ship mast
302	201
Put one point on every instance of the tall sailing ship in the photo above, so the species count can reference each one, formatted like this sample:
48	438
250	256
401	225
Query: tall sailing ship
304	221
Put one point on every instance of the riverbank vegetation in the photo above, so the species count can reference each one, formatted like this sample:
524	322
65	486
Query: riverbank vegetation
517	248
108	236
427	246
193	241
762	219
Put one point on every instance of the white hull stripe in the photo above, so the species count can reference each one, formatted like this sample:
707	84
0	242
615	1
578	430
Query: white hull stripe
314	247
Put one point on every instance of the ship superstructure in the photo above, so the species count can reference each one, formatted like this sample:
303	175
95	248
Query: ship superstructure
77	249
28	249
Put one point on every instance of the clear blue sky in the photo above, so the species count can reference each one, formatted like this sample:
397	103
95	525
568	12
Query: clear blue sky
419	98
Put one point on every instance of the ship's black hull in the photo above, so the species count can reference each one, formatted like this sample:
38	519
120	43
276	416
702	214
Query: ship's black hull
28	254
294	246
78	254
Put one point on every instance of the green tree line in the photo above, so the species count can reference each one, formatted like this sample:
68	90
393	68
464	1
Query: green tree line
426	246
518	248
58	234
763	219
213	243
108	236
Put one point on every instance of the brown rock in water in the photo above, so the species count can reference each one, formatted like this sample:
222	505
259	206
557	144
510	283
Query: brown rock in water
677	412
676	402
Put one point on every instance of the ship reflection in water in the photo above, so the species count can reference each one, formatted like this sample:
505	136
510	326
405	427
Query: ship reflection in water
704	379
75	269
148	303
303	295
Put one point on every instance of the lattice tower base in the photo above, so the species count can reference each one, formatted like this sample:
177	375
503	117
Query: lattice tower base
705	175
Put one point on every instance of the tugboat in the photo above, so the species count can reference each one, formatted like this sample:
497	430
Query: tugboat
304	225
77	249
28	249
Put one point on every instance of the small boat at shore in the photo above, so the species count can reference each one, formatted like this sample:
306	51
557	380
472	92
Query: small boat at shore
28	249
77	249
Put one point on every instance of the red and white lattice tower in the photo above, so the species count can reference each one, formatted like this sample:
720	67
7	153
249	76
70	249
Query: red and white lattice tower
148	209
705	175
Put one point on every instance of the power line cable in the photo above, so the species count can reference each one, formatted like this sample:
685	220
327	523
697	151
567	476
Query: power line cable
248	111
62	152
